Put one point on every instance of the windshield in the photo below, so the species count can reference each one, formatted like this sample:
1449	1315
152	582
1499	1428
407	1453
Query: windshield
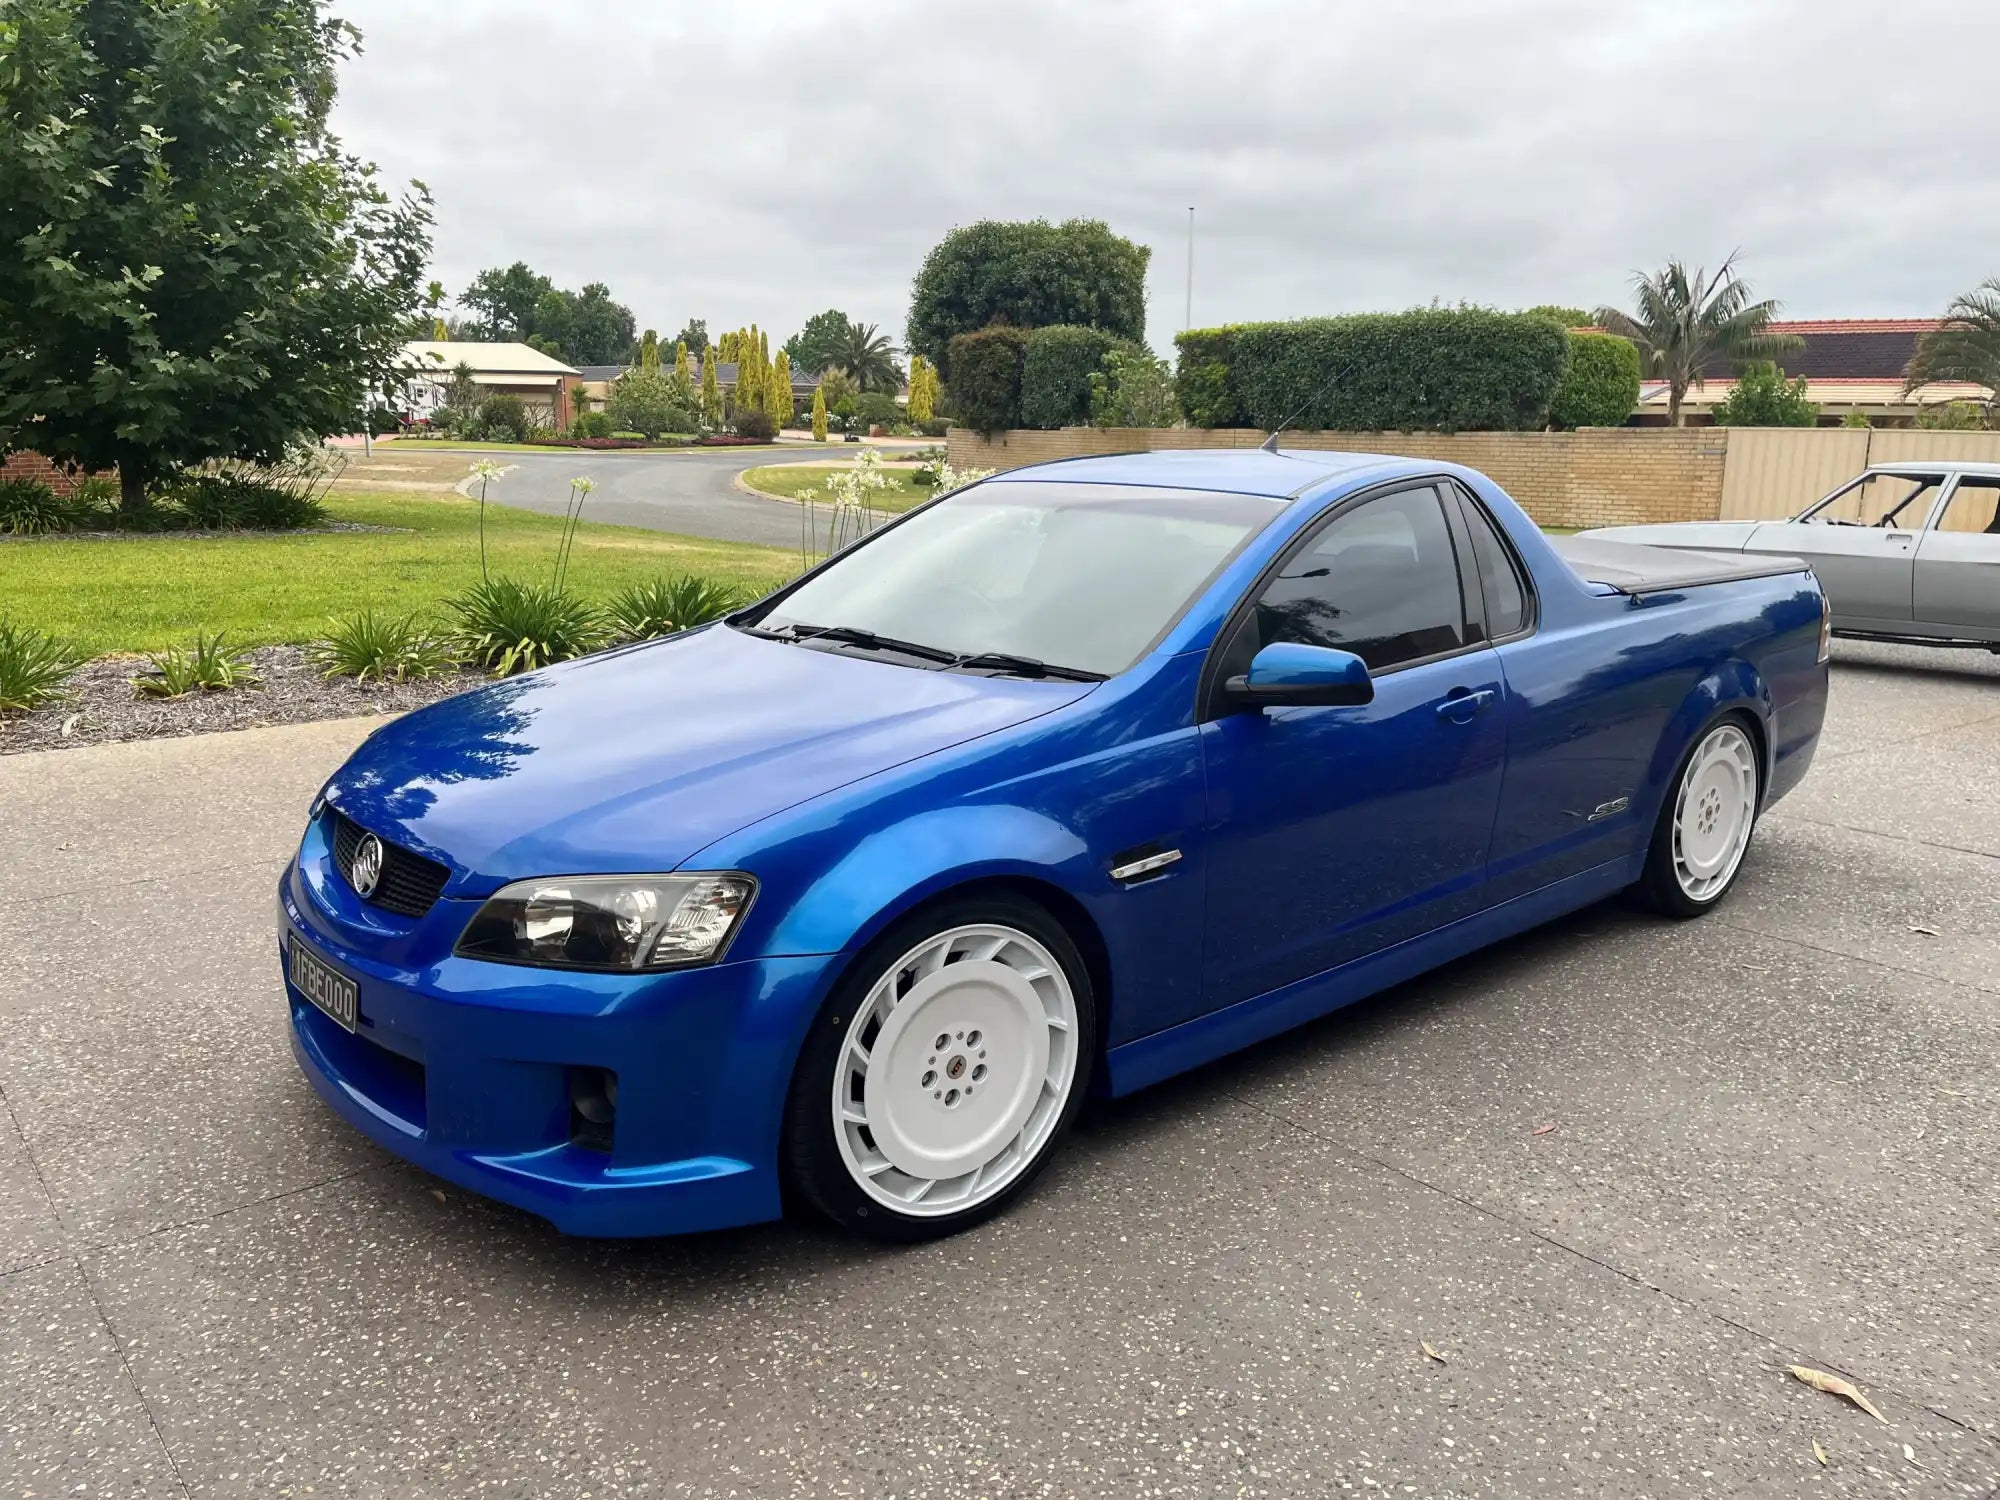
1081	576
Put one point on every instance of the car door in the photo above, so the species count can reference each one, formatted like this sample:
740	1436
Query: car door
1958	561
1335	832
1862	543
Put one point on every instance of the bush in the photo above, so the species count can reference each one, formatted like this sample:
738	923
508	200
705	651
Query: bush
388	648
592	424
1056	371
1433	369
754	423
648	402
1764	398
1953	416
1857	419
661	606
986	377
1133	390
1601	385
35	667
210	668
230	502
29	507
503	417
878	409
508	627
936	427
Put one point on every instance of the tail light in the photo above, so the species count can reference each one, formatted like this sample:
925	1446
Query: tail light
1825	630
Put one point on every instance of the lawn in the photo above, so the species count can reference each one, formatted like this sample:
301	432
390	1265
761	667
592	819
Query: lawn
789	480
145	593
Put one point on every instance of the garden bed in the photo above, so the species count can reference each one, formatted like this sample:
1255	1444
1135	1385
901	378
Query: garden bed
103	707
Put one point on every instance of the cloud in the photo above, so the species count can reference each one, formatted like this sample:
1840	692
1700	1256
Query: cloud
744	163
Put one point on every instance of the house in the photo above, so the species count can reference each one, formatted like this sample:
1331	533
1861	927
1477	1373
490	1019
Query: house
598	380
545	384
1849	364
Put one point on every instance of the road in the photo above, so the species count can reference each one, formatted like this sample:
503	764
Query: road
1618	1173
688	492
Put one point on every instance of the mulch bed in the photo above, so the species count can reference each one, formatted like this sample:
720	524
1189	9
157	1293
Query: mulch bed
102	706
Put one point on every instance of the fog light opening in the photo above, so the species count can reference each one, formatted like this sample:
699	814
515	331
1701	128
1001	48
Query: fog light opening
593	1107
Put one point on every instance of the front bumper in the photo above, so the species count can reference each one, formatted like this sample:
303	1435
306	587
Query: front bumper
464	1067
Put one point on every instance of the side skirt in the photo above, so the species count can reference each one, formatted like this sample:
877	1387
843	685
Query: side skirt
1150	1059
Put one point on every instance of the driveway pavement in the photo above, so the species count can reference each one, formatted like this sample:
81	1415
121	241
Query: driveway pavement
1773	1142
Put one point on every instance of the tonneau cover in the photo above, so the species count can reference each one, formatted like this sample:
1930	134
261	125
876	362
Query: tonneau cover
1637	568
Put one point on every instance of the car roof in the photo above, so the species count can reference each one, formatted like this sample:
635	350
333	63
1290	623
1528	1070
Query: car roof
1234	471
1918	468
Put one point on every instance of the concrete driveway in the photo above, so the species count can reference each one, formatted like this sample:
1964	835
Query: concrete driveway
1773	1142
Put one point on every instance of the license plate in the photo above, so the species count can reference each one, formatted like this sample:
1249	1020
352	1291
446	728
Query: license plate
332	992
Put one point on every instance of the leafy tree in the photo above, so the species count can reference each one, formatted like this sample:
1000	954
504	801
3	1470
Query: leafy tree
695	336
1687	322
866	355
839	386
584	328
1569	317
649	351
1027	274
819	414
1601	385
643	401
191	266
778	390
1764	398
810	347
439	333
503	301
461	397
1965	347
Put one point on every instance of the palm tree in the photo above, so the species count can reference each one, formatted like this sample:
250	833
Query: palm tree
1966	347
866	355
1686	323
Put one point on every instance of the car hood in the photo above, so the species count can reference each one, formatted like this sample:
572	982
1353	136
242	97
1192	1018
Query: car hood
1707	536
638	759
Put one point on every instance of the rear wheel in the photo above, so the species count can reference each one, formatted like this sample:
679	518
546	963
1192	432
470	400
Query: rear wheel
943	1070
1705	826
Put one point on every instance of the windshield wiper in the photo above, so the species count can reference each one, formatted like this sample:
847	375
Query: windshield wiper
1026	666
854	635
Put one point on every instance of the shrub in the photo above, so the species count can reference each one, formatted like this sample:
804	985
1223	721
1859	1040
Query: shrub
592	424
1952	416
1133	390
29	507
986	377
661	606
94	500
502	417
1601	385
508	627
388	648
229	502
1764	398
1204	383
1434	369
1056	371
878	409
35	667
754	423
819	414
936	427
1856	419
645	401
210	668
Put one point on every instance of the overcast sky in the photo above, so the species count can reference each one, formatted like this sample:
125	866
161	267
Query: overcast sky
761	161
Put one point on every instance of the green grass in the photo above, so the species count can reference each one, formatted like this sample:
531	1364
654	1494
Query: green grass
903	491
147	593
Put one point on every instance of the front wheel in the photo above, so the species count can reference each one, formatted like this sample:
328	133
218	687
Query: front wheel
943	1070
1705	826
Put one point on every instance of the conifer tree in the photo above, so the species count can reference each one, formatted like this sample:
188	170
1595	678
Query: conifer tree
778	389
819	415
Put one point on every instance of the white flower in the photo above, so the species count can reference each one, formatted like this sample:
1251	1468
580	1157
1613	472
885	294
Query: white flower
583	486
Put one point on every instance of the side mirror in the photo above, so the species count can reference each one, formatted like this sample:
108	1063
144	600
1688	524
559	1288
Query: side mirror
1288	675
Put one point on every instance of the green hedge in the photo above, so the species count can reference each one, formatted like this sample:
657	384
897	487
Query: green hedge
1055	374
1431	370
1601	386
986	378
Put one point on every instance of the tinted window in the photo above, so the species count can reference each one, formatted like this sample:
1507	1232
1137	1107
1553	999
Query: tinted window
1380	580
1080	575
1499	577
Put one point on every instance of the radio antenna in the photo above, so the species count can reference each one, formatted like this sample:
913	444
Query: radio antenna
1270	444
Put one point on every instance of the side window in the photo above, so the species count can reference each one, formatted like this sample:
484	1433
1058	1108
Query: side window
1381	581
1500	578
1975	506
1897	501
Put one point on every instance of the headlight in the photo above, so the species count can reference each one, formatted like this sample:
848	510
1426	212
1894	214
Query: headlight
620	922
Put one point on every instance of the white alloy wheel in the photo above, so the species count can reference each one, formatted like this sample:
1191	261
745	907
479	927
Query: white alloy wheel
1713	812
955	1070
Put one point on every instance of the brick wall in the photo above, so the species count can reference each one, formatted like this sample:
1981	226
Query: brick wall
1602	476
24	465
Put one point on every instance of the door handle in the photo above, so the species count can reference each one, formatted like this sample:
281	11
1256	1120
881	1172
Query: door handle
1902	537
1461	706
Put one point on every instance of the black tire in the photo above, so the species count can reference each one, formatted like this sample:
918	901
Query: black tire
814	1169
1657	888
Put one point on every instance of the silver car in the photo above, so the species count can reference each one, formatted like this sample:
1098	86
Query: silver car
1906	552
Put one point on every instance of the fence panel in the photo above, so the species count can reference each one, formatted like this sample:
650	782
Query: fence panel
1775	472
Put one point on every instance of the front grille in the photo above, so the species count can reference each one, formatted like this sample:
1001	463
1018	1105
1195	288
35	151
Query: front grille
410	883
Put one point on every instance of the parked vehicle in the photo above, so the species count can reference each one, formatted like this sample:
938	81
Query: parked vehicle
1073	779
1906	552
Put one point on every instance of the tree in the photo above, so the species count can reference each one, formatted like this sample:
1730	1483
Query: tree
681	366
1965	347
461	397
711	395
810	345
1133	390
1601	385
649	351
1764	398
191	267
865	355
642	401
778	390
1953	416
1027	274
503	301
695	336
1569	317
839	386
517	303
1686	322
819	414
923	390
